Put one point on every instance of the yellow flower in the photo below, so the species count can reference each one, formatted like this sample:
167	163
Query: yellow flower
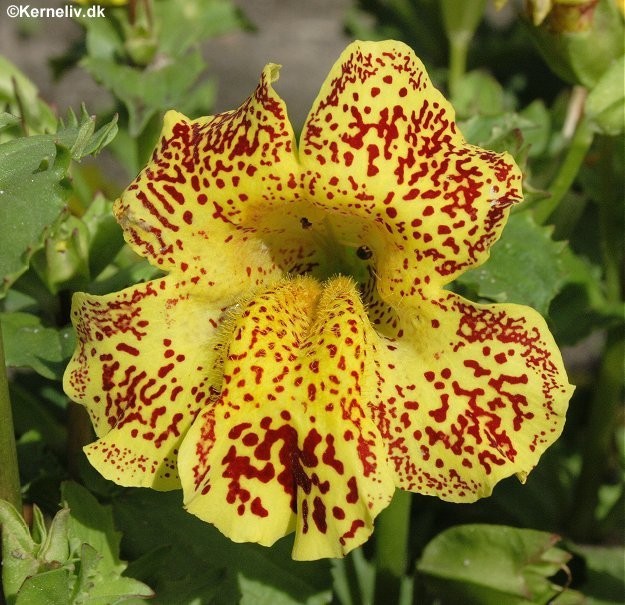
301	359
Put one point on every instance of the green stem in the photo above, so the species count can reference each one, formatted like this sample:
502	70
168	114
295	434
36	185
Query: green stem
460	19
392	534
580	144
598	436
9	472
458	52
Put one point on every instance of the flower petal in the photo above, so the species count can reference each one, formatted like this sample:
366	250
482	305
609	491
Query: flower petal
207	184
143	367
469	395
288	446
380	145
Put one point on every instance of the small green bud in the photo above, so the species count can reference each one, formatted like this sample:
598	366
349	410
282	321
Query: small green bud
580	40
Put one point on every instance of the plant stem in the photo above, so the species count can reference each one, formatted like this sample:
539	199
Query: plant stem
599	432
580	144
458	51
9	472
461	20
392	533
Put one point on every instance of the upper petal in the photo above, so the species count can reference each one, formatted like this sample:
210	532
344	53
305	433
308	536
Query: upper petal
208	184
380	145
289	446
143	367
468	394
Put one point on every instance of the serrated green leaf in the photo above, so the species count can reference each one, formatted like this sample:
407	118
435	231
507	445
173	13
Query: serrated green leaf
81	137
29	344
525	266
519	563
33	191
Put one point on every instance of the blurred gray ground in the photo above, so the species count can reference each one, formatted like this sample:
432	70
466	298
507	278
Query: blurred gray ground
305	37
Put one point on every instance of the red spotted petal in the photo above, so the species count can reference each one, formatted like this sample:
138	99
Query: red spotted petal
289	446
468	395
381	146
143	367
207	184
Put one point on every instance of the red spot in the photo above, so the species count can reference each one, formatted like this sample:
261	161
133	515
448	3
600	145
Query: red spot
126	348
187	217
329	456
164	370
338	513
478	370
348	535
257	508
235	432
319	515
352	495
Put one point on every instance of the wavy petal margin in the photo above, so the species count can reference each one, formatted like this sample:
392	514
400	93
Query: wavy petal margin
289	446
381	145
143	367
470	394
281	395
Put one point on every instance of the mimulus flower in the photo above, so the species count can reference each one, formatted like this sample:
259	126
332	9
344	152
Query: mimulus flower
301	359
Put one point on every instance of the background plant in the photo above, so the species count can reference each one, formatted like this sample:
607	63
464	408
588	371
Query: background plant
547	86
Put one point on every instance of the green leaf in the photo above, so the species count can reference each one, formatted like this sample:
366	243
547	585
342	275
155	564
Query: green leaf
492	565
184	554
47	588
20	97
525	266
33	190
29	344
55	547
478	93
18	551
186	24
63	264
147	92
604	580
91	524
81	137
605	105
105	235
